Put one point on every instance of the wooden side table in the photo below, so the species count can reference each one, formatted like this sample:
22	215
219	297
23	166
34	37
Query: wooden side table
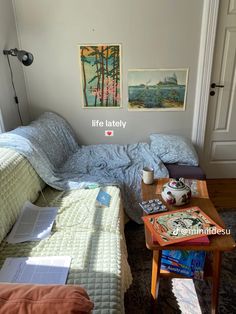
217	245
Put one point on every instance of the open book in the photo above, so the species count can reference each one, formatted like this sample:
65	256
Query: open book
33	224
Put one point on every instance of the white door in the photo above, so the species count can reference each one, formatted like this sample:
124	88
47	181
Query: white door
220	141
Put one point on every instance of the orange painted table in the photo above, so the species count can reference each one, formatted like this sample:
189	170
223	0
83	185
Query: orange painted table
217	245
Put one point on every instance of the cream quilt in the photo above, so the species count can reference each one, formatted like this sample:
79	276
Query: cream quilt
91	235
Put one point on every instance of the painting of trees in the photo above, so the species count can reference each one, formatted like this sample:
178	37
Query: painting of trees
100	73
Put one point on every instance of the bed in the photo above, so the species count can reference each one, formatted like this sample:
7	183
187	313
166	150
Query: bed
92	236
43	163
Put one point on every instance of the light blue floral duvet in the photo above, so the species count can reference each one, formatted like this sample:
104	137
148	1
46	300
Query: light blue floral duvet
51	147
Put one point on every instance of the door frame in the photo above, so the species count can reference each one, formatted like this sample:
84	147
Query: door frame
205	63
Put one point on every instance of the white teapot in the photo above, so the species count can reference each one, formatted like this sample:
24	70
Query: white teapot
176	192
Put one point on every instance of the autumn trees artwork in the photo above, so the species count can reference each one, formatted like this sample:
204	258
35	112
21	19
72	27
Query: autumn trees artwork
100	73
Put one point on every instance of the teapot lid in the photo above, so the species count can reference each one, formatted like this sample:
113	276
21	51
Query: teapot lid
176	184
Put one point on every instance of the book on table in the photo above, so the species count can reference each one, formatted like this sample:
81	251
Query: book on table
204	240
180	225
186	263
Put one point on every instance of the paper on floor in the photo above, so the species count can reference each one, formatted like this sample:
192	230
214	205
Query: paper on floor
186	296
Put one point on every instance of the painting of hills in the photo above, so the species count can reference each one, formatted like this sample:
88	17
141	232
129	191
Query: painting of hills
157	89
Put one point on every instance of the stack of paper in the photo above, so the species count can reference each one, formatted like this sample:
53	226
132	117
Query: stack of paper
36	270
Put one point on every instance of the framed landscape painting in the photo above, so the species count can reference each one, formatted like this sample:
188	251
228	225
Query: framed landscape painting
157	89
100	75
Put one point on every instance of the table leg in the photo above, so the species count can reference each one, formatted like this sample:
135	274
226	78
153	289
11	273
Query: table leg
215	280
156	266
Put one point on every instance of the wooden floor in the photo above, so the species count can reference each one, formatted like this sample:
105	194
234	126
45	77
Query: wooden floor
222	192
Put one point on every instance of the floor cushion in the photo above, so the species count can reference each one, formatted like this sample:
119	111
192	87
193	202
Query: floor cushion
41	299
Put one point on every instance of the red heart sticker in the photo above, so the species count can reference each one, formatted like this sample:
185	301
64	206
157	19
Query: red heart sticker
109	133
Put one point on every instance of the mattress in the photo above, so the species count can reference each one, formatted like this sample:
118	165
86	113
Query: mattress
93	237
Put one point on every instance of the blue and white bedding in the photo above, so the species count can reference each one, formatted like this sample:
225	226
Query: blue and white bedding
51	147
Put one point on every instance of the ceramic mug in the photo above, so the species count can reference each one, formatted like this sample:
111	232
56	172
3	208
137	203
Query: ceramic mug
148	175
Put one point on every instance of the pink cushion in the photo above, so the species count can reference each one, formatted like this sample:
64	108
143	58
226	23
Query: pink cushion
43	299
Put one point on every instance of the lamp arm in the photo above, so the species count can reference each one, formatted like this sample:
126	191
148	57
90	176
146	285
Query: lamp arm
12	52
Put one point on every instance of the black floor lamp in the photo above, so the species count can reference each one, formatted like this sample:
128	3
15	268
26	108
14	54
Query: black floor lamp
25	58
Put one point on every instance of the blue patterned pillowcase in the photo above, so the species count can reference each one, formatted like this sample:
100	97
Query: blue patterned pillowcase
174	149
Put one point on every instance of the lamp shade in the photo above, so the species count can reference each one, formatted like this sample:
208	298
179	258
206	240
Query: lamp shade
25	57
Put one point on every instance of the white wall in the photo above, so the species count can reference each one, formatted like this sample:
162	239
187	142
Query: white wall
153	34
8	39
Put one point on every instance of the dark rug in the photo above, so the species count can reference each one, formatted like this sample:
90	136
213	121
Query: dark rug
138	297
